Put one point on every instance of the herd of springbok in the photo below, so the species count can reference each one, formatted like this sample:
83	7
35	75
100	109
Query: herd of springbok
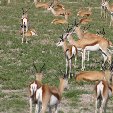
45	96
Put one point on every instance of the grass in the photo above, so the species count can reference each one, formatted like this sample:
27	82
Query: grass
16	70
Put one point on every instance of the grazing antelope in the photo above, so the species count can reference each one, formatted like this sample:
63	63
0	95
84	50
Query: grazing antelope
103	10
36	84
90	42
41	5
110	9
28	34
70	51
85	13
48	96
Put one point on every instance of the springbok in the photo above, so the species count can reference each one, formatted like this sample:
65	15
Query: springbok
70	51
24	21
59	11
110	9
103	90
90	42
93	76
59	21
36	84
28	34
103	10
48	96
40	4
85	21
85	13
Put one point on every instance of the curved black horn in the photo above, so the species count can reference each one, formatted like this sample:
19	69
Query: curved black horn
42	68
35	67
23	10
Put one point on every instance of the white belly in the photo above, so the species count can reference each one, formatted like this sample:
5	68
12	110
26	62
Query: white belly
92	48
53	100
39	94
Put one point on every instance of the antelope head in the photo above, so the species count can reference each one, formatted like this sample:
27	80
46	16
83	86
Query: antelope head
39	74
51	6
61	42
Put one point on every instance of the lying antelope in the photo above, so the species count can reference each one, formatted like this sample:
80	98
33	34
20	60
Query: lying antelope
48	96
70	51
28	34
110	9
93	76
41	5
85	20
103	92
90	42
59	21
84	13
59	11
103	10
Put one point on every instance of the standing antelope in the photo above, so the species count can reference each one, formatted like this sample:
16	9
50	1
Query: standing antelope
110	9
36	84
103	10
103	92
90	42
24	21
48	96
70	51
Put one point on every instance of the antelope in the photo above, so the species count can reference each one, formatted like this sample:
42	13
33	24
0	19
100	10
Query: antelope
36	84
84	13
48	96
59	11
59	21
103	90
70	51
85	20
41	5
93	76
110	9
28	34
103	10
24	21
90	42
